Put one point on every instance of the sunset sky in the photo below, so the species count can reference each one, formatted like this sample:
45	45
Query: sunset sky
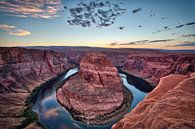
161	24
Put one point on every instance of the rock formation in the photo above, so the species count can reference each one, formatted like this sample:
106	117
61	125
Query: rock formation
96	94
154	66
22	70
170	105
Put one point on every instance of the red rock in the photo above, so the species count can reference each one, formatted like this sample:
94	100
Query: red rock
153	67
170	105
22	70
95	91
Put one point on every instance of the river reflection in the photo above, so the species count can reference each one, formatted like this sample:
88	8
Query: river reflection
53	116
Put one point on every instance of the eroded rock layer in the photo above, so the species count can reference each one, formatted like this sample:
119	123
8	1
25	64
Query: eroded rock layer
22	70
95	92
171	105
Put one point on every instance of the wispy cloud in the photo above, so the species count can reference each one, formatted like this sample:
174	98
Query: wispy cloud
172	27
143	42
31	8
161	40
12	30
6	27
185	44
188	35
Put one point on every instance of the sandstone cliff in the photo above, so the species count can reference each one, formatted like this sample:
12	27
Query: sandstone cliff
171	105
154	66
95	92
21	70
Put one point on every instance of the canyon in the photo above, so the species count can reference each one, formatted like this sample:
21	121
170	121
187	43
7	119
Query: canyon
25	69
22	70
96	94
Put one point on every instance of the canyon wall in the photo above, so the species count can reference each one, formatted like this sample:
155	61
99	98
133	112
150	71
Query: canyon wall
154	66
151	65
21	70
170	105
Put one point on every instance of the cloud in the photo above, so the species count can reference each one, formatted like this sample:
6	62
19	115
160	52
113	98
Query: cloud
6	27
190	23
185	44
186	24
136	10
113	44
179	26
31	8
143	42
170	27
161	40
189	35
51	113
12	30
19	32
101	14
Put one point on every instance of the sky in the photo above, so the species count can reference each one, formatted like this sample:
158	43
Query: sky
156	24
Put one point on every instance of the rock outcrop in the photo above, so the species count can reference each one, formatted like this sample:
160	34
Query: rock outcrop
96	94
22	70
171	105
154	66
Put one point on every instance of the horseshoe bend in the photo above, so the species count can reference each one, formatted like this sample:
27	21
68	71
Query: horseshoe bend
36	91
96	94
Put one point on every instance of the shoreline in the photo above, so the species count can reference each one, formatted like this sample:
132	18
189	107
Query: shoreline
138	82
27	114
115	115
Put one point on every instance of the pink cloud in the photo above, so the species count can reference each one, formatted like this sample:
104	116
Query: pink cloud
31	8
12	30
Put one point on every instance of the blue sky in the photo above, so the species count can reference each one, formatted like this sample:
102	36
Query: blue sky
167	24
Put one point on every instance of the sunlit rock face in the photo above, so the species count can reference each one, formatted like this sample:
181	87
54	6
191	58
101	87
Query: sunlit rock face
95	91
169	106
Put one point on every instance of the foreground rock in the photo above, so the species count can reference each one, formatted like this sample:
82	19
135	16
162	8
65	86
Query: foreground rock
171	105
22	70
96	94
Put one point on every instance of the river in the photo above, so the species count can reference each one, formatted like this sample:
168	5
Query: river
53	116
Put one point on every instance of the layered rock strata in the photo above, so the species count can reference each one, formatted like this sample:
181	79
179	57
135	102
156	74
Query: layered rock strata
96	94
22	70
171	105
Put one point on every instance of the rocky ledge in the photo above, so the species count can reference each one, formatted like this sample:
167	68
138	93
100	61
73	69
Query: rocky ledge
170	105
96	94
